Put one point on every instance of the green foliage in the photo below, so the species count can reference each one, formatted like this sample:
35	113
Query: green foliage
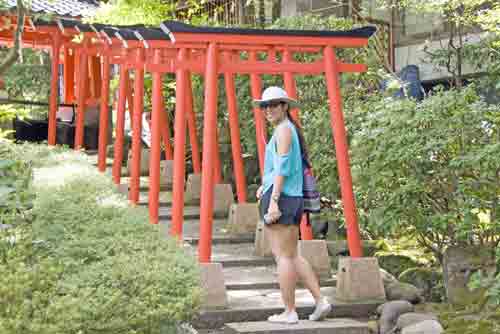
84	262
429	170
456	323
15	176
149	13
129	12
490	283
27	80
406	248
428	279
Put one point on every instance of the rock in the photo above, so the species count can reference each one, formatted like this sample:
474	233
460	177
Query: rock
403	291
412	318
428	280
424	327
387	277
390	312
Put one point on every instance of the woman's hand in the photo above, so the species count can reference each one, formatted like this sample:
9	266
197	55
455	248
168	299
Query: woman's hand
273	212
258	194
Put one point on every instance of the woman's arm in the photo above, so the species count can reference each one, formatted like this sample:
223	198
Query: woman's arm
283	142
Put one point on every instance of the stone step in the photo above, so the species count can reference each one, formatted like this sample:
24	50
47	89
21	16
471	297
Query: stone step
235	255
261	277
224	239
144	183
165	198
191	229
191	233
329	326
258	305
239	255
93	157
190	212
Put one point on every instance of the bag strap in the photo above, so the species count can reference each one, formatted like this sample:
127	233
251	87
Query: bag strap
305	162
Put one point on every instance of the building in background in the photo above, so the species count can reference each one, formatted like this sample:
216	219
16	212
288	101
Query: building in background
403	33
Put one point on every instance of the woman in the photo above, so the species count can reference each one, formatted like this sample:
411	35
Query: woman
281	204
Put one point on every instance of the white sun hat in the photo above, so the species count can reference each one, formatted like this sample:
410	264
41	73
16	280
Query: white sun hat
274	93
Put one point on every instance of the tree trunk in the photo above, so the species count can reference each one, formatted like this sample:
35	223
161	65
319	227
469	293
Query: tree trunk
15	52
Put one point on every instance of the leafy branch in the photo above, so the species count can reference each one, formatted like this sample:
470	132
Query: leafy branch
15	52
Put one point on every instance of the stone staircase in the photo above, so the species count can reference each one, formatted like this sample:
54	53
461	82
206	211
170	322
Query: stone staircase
251	283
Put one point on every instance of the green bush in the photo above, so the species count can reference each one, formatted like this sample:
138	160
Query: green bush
429	171
85	262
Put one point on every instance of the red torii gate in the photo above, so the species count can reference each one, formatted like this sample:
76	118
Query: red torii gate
181	49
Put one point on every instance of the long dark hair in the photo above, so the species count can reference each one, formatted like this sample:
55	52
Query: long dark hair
302	141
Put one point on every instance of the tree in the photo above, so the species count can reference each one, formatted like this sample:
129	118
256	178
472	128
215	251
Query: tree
429	170
15	52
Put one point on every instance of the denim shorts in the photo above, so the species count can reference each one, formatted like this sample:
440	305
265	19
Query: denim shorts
291	208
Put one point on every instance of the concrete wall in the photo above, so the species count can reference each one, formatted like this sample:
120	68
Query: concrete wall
414	55
411	32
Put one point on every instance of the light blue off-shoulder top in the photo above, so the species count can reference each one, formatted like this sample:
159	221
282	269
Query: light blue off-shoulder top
288	165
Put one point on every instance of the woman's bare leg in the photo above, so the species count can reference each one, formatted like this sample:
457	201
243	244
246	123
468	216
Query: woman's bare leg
308	277
284	240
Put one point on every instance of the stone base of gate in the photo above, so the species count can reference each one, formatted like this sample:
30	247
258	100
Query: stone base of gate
359	279
243	218
123	188
213	285
262	245
144	167
223	199
316	253
167	173
192	194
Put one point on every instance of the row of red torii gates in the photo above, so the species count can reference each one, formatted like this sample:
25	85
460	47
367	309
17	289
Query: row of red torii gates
184	49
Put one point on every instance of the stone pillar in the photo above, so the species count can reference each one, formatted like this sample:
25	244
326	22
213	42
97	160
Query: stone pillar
214	288
144	168
193	189
223	199
359	279
243	218
316	253
262	245
166	173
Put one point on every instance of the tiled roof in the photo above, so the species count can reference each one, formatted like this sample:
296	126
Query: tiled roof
61	7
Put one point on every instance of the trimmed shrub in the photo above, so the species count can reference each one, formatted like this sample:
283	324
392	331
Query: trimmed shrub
85	262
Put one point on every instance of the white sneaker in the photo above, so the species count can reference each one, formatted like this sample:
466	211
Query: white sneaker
323	308
284	318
